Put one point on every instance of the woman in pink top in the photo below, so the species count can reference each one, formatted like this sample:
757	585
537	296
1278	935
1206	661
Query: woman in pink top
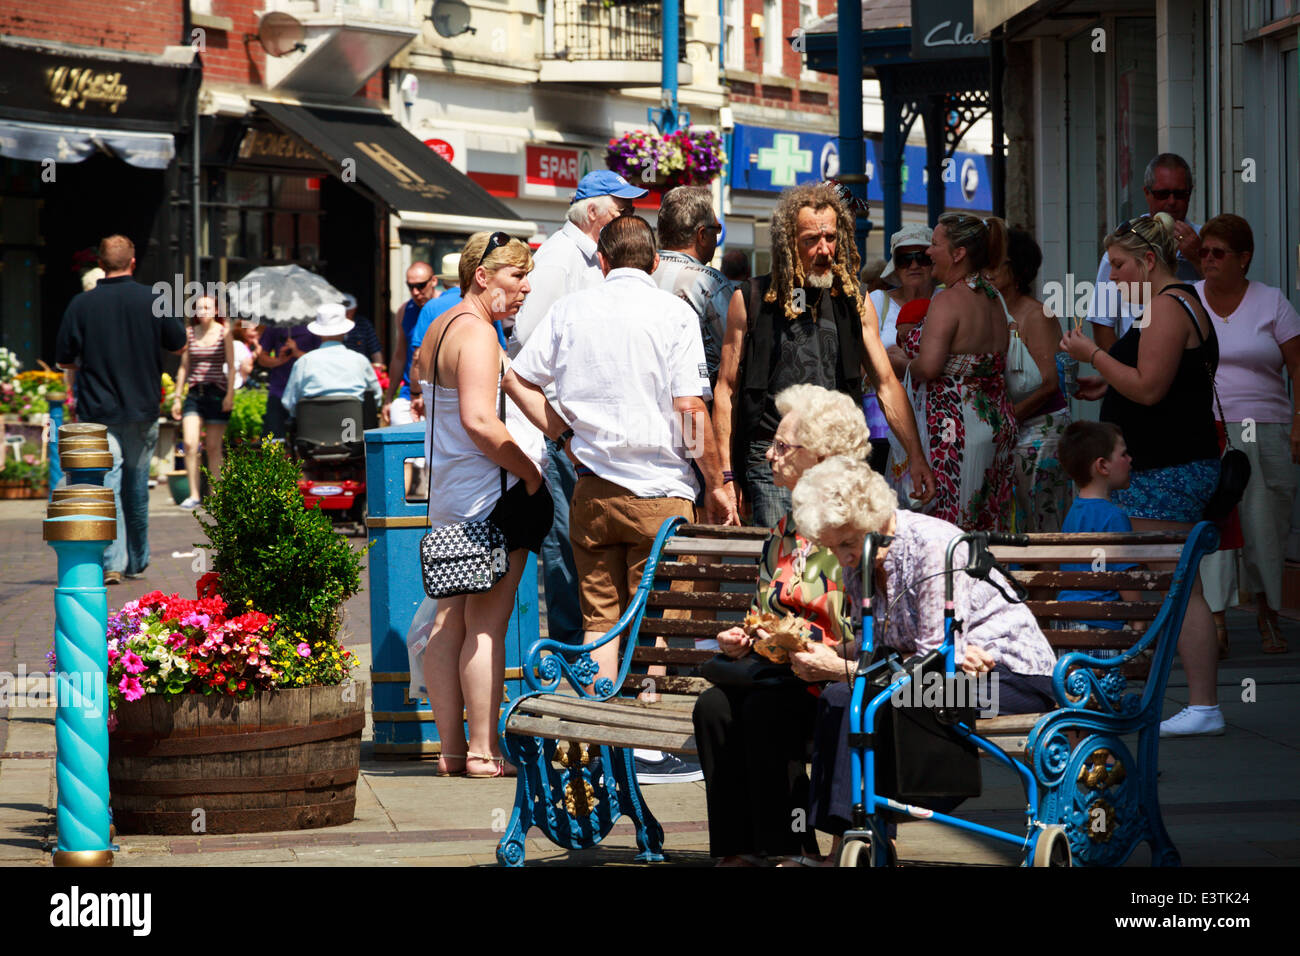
1259	333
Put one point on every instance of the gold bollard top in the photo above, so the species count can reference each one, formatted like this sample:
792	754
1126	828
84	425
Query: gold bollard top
84	492
84	441
82	428
74	458
78	529
83	858
67	507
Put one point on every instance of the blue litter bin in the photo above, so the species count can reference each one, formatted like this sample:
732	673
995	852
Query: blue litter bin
405	727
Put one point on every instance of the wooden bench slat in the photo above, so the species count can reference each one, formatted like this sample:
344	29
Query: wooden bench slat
678	571
1094	610
722	531
668	684
555	728
1093	637
1135	580
671	655
644	716
1138	538
734	547
661	627
1083	553
691	600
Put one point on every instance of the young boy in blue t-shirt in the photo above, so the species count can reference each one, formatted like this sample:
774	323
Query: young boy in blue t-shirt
1096	458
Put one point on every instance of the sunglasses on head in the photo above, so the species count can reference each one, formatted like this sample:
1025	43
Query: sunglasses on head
904	259
1182	195
1131	226
495	241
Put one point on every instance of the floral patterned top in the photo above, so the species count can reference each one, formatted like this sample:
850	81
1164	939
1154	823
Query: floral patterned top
797	577
915	625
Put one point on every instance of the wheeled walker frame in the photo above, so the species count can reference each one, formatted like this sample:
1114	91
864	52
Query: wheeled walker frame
866	843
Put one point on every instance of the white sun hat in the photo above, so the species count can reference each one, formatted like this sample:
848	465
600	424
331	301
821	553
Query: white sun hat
916	234
331	319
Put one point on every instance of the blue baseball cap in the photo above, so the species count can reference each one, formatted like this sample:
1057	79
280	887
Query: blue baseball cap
605	182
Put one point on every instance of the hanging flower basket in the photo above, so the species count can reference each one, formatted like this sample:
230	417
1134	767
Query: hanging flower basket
655	161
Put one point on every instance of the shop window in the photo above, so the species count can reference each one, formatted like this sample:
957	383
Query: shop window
257	219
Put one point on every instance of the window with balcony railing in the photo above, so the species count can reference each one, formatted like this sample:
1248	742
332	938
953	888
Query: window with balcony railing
608	30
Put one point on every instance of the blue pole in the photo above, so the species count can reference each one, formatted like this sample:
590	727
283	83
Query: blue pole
891	158
81	720
666	118
56	421
848	59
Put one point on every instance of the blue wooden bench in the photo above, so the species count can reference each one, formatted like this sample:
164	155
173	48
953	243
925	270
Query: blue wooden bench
571	735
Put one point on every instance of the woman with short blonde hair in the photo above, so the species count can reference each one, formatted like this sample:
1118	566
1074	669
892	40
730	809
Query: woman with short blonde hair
488	466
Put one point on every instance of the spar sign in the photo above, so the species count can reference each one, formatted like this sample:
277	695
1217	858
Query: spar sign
554	171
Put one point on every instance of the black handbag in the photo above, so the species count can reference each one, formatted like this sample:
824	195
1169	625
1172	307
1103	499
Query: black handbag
468	557
1234	466
920	758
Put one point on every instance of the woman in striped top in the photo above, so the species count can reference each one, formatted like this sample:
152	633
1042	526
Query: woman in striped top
209	351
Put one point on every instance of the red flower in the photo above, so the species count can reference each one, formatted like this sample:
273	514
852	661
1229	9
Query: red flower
208	586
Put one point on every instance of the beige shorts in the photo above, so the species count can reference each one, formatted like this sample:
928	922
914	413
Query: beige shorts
612	532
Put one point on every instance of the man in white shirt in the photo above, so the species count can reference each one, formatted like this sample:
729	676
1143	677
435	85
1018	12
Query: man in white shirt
1167	185
566	262
626	363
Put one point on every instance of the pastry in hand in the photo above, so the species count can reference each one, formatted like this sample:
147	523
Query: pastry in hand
785	634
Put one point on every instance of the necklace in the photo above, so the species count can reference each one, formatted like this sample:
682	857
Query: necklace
976	282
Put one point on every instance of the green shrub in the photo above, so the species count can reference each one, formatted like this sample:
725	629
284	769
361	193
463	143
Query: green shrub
275	556
246	415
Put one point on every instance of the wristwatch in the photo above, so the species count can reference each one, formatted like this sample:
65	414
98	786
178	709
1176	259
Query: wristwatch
564	437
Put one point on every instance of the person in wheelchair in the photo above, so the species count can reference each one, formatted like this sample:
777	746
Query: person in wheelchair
836	504
332	369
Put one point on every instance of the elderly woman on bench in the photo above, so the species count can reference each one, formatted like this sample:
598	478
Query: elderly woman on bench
754	726
837	504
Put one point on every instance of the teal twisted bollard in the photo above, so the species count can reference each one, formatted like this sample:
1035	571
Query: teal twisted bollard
81	720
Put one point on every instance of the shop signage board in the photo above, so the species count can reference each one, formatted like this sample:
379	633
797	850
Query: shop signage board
553	172
945	30
769	160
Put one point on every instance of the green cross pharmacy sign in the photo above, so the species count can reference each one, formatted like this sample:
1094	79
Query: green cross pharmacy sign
784	160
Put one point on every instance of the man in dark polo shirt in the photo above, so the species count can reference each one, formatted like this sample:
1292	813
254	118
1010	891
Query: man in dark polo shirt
114	337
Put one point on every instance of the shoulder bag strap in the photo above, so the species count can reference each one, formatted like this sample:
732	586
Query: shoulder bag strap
501	413
1213	387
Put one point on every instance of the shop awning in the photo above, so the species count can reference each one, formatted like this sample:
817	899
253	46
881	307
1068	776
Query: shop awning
37	142
371	150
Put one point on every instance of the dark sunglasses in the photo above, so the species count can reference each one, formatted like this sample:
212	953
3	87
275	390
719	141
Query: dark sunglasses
1130	226
495	241
417	286
1214	252
1182	195
904	259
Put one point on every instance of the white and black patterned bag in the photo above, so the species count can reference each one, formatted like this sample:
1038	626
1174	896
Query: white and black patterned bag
468	557
464	558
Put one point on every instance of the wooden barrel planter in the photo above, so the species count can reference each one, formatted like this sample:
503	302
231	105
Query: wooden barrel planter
284	760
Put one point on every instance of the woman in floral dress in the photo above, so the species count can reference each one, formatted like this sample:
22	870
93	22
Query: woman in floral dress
959	351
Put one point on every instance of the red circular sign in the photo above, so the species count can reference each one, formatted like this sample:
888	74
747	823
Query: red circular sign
442	148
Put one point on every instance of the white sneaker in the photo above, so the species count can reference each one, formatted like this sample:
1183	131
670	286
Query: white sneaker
1193	723
189	504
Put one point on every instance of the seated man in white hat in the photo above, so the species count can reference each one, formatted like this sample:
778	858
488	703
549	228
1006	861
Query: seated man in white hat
332	369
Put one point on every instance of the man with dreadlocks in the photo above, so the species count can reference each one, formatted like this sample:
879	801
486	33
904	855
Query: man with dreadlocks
804	324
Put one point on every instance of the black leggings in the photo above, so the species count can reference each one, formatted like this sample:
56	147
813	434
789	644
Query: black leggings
753	744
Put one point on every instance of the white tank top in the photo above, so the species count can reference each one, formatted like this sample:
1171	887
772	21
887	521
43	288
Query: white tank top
464	483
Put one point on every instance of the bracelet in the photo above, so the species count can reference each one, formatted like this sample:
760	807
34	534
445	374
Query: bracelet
564	437
728	476
1093	355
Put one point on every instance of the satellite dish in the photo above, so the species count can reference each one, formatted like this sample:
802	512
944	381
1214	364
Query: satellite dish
450	18
279	33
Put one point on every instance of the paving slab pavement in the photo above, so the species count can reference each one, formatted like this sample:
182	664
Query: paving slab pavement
1231	800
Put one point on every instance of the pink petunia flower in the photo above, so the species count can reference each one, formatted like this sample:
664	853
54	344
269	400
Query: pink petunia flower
131	688
303	649
132	664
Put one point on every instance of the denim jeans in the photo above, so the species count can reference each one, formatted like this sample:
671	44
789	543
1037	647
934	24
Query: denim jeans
132	446
563	617
769	502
